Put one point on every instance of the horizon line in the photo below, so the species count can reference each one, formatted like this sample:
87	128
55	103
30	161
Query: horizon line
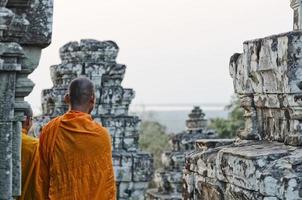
179	104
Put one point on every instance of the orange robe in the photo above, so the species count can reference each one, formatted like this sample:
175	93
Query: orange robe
29	162
76	160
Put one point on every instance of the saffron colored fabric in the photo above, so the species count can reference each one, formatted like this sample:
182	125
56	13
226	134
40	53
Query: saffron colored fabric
29	162
75	160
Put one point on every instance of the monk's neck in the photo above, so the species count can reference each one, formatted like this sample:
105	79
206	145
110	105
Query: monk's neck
80	109
25	131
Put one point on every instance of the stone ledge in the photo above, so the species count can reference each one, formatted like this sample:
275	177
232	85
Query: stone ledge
153	194
243	165
212	143
249	170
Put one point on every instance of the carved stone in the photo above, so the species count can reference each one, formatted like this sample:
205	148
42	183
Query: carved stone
25	29
296	5
267	78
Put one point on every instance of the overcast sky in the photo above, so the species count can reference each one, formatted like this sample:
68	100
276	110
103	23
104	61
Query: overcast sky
176	51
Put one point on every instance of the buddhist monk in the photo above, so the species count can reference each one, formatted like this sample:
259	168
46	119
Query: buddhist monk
75	152
29	158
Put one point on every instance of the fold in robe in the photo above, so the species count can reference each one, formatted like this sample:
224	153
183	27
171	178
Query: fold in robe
29	162
75	160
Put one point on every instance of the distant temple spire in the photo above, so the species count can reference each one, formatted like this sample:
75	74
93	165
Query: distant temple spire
296	5
196	121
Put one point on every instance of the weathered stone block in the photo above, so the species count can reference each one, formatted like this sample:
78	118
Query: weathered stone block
205	144
123	166
282	177
154	195
7	98
132	190
16	158
247	170
208	189
267	76
234	193
6	132
242	166
296	5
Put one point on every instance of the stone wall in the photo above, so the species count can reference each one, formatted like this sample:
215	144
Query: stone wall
169	179
267	78
25	29
264	162
96	60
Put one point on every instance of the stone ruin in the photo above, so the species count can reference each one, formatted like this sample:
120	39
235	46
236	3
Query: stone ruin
265	162
96	60
169	179
25	29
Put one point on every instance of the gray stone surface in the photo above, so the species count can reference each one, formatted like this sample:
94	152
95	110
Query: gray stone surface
16	153
264	163
169	179
247	170
6	131
267	79
25	28
96	60
296	5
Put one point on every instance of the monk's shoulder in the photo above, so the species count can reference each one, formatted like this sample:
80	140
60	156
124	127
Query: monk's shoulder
29	144
47	130
29	140
50	124
101	130
99	127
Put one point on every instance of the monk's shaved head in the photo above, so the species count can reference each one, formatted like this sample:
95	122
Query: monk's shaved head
81	91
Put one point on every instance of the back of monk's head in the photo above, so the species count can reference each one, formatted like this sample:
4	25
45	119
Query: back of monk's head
81	94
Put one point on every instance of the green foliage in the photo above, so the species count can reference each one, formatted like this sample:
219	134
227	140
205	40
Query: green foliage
153	139
228	128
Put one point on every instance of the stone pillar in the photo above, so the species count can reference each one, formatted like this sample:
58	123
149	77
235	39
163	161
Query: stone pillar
8	70
25	28
296	5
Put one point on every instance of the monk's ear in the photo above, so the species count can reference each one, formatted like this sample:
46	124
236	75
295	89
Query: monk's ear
92	99
30	121
27	121
67	99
